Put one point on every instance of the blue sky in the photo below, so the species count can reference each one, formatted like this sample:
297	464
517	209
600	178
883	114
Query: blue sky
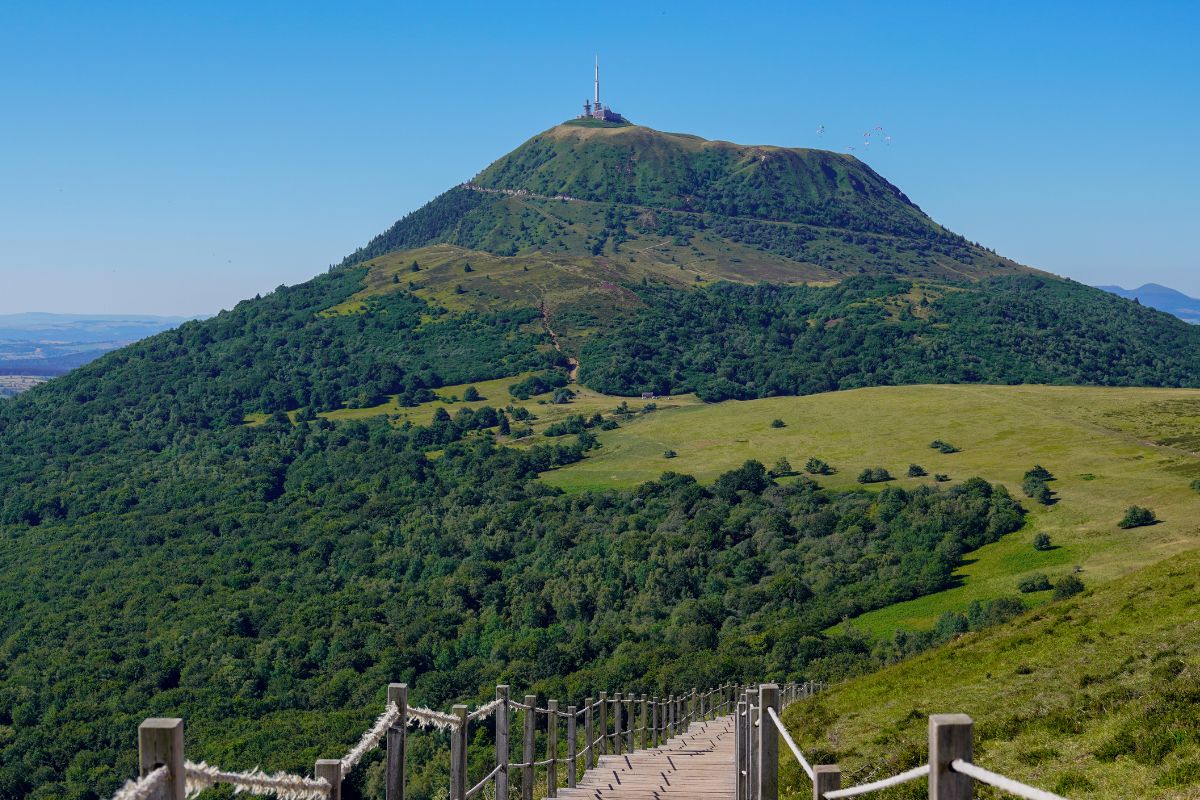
175	158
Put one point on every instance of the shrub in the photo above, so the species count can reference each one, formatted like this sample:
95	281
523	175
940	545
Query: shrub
815	466
778	423
537	384
1042	542
782	467
943	447
415	267
669	454
1068	586
1034	583
1137	517
1040	473
563	395
874	475
941	477
471	394
916	471
1196	485
467	267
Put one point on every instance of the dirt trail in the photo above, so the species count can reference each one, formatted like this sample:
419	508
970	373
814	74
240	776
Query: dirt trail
554	340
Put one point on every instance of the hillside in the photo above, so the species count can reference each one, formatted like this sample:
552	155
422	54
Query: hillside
257	520
1091	697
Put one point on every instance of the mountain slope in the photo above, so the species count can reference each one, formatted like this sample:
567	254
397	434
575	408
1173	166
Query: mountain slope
1095	697
183	529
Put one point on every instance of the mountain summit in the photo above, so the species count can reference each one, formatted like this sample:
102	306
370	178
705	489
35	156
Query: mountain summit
728	211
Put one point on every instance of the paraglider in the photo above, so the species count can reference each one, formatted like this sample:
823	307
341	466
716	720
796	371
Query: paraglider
820	129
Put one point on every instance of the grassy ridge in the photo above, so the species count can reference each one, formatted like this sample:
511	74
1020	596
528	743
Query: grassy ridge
1101	443
1094	697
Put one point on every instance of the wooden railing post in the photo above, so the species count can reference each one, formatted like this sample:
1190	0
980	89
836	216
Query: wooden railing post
694	706
739	750
617	708
331	770
950	737
645	726
751	744
458	755
527	757
826	778
768	743
572	749
160	743
603	732
394	778
630	723
589	731
502	747
552	748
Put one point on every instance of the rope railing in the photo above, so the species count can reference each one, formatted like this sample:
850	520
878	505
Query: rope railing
146	787
949	769
1001	782
875	786
614	724
282	785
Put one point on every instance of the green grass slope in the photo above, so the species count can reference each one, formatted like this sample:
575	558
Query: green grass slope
1108	448
1093	697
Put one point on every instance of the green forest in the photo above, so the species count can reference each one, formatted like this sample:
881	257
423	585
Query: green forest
737	341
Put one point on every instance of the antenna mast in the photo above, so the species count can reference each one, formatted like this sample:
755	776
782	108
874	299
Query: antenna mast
597	80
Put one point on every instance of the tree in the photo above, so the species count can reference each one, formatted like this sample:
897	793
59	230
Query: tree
471	394
1137	517
874	475
1034	583
1042	542
916	471
1067	586
467	267
415	267
782	467
778	423
815	466
505	427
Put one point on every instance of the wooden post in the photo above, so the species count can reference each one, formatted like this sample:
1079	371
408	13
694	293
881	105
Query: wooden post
603	732
673	704
502	748
458	755
527	747
694	706
572	749
552	748
630	712
331	770
394	778
160	743
739	750
645	723
949	738
617	708
768	743
826	778
590	733
751	745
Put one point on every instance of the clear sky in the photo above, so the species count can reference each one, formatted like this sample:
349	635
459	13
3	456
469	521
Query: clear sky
177	157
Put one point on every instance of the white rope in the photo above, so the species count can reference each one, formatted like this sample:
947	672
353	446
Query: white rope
1002	783
428	718
875	786
371	738
788	738
283	785
485	710
144	787
515	704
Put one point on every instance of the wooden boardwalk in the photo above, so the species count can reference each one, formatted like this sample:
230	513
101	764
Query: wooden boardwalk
697	764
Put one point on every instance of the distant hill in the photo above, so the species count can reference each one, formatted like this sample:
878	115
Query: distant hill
48	345
1163	298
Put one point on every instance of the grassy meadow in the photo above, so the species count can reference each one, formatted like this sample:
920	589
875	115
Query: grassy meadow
1108	448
